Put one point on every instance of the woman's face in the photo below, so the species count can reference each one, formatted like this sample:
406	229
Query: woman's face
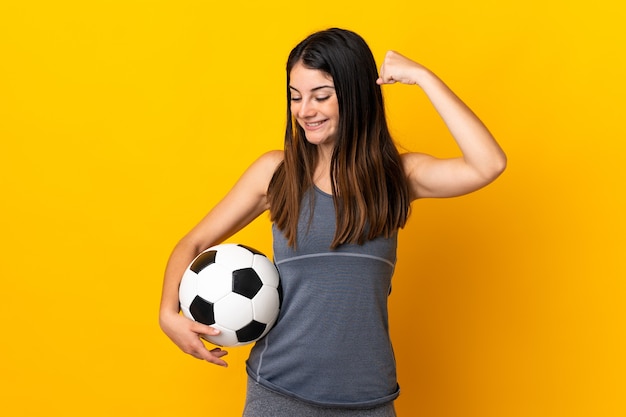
314	104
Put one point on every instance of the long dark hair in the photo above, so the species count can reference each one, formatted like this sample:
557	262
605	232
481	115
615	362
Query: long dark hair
368	182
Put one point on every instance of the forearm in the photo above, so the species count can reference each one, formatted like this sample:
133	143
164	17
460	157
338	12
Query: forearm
185	333
181	257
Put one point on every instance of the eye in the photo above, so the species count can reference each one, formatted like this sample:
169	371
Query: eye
295	99
324	98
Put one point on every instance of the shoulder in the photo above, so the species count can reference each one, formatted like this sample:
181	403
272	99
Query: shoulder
272	158
260	172
267	163
251	188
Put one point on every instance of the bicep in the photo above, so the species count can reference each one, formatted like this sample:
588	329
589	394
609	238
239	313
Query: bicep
431	177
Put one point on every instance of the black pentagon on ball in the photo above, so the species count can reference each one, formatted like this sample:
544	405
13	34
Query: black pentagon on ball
203	260
246	282
251	331
256	252
202	311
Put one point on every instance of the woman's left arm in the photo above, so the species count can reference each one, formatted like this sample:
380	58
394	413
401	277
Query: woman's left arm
482	159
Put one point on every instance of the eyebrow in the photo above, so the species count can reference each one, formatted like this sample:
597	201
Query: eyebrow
313	89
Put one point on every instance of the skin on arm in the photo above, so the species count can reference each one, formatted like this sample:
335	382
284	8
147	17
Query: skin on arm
246	200
482	159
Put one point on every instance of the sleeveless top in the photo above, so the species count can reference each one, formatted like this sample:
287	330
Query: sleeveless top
330	345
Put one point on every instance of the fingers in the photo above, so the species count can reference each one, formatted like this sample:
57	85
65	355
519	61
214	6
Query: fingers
218	352
214	356
397	68
193	345
385	80
198	350
186	334
384	77
200	328
201	352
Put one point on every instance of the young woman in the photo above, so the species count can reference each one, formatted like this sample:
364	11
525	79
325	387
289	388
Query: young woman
337	195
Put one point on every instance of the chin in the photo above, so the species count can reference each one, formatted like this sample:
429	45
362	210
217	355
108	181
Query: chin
319	140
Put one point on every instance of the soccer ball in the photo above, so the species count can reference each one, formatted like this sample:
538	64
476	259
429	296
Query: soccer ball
233	288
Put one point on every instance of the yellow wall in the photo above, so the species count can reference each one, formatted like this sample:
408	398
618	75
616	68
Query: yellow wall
123	122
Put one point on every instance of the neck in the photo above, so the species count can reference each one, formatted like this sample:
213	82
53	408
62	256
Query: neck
321	176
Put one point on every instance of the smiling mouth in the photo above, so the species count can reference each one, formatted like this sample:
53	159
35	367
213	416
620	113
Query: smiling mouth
315	124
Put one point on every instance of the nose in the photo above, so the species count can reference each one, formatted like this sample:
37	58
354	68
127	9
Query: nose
306	109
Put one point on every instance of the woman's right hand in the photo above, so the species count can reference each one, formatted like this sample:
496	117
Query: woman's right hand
185	333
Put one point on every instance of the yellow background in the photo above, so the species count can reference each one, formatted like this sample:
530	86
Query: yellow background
123	122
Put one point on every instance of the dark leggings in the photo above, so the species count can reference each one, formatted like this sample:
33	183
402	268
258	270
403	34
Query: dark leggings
261	402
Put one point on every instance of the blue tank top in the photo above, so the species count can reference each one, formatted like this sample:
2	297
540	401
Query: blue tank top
330	345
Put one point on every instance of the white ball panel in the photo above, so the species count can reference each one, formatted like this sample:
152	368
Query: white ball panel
186	312
234	256
266	270
214	282
187	290
265	305
233	311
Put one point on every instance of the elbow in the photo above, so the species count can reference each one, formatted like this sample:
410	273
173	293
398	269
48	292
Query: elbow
500	165
187	247
490	172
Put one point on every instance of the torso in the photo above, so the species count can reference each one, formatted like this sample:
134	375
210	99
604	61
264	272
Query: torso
330	345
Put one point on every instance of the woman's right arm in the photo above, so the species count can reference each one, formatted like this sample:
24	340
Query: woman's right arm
243	203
